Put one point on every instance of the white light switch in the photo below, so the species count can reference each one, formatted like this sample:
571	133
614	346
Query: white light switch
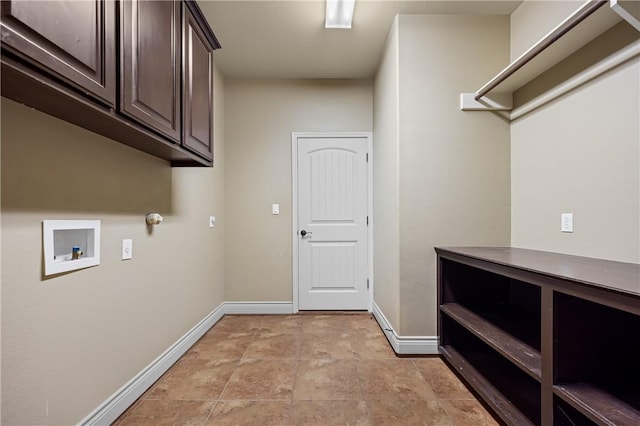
212	221
275	209
127	249
566	222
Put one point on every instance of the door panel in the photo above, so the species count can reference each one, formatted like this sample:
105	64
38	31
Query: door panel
151	64
332	184
333	265
198	88
332	210
72	40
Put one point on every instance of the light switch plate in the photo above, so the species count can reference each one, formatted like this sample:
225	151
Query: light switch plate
212	221
127	249
275	209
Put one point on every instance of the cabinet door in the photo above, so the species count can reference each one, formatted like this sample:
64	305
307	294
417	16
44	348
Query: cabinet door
198	88
150	65
71	40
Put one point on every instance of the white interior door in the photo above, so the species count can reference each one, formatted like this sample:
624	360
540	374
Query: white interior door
332	223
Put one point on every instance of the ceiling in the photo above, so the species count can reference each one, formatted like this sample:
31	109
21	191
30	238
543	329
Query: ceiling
287	39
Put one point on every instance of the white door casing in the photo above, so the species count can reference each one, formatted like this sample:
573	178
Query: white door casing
331	206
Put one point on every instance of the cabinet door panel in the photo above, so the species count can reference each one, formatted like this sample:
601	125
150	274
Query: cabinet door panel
198	88
73	40
150	79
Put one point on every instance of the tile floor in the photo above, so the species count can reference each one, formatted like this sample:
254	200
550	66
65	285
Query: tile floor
308	369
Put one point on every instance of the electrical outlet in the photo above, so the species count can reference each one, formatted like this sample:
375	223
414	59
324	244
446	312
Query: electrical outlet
127	249
212	221
566	222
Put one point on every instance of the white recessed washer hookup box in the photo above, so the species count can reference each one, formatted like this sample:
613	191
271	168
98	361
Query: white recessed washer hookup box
70	244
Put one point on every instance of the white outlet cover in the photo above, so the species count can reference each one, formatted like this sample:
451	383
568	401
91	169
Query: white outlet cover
127	249
275	209
566	222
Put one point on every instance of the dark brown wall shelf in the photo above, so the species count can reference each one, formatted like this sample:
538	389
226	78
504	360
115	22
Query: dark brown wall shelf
544	338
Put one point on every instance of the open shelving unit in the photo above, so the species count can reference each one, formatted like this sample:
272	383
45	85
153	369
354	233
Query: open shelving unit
543	338
591	19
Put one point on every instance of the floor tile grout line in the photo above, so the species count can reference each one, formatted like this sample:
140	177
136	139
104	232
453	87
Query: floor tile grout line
293	389
235	369
213	407
437	399
366	403
218	399
255	335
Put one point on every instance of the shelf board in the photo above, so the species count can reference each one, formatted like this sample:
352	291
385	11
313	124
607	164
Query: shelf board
594	25
598	405
492	396
522	355
568	37
618	277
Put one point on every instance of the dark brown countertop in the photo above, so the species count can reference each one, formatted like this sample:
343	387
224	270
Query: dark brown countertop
619	276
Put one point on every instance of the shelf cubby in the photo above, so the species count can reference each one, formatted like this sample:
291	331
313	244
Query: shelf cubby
523	402
596	359
521	354
510	305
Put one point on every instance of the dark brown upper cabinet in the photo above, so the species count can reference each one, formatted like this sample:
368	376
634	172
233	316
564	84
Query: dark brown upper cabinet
72	40
137	71
197	90
150	65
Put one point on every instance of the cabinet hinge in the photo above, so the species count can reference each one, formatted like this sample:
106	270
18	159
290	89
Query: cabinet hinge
367	283
367	157
367	220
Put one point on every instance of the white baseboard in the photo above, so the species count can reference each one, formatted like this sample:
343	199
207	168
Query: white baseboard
113	407
257	308
405	345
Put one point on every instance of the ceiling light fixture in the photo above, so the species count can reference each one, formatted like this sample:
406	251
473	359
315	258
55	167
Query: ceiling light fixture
339	13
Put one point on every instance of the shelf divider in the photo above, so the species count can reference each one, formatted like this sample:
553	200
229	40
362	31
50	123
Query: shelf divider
522	355
598	405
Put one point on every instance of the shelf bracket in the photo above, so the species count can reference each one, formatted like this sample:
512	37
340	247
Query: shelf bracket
629	10
493	102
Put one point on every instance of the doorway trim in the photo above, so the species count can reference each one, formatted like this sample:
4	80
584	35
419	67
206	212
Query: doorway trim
294	205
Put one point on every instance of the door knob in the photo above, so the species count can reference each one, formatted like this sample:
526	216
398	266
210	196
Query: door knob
303	233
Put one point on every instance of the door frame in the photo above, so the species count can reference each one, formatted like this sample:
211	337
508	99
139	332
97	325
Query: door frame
294	204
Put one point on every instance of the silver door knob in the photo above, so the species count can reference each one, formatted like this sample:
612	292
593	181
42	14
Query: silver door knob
303	233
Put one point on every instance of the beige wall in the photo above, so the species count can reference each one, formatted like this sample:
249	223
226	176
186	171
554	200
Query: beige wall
70	341
454	165
447	169
386	182
580	154
260	116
